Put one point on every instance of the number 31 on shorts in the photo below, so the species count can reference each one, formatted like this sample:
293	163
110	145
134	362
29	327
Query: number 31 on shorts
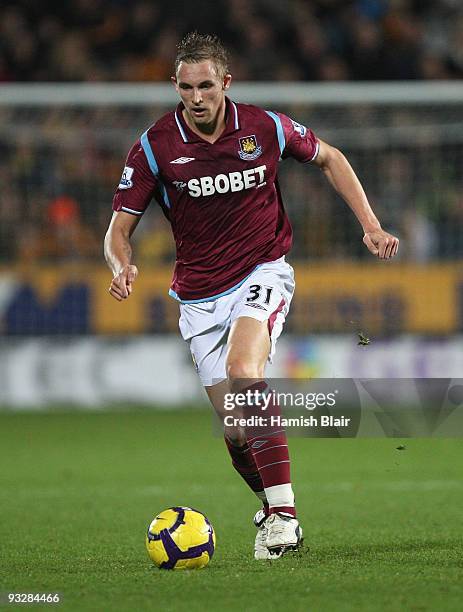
257	291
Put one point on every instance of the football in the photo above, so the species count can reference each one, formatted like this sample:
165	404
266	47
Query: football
180	538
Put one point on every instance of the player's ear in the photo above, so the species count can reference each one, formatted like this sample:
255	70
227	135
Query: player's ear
227	79
173	80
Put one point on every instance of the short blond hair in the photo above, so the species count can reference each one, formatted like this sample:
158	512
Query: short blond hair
195	47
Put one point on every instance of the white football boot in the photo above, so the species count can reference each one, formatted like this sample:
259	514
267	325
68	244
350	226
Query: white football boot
292	535
261	552
283	534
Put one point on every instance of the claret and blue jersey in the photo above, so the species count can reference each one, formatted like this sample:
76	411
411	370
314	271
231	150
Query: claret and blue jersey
222	199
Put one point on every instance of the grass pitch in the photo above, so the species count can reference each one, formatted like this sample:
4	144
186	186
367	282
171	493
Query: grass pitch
77	491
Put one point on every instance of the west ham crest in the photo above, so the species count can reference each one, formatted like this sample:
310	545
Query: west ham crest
249	148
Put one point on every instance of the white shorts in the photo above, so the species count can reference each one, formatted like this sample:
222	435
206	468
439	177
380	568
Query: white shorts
265	296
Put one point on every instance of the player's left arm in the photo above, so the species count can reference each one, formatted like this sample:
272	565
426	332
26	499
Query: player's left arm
342	177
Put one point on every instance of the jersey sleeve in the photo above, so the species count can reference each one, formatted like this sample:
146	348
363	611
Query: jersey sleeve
299	141
137	185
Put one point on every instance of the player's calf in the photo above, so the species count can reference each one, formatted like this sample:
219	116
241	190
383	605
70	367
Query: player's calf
269	447
244	464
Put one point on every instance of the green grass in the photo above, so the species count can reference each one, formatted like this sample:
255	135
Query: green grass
77	492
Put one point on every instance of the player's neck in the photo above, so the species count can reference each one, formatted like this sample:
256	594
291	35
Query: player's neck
208	131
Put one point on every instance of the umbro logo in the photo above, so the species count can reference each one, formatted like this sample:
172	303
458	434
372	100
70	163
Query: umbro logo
259	443
257	306
183	160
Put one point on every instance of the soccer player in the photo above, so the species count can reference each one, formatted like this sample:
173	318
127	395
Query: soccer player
211	164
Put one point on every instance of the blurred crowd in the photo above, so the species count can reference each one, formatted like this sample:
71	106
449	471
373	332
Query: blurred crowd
135	40
59	167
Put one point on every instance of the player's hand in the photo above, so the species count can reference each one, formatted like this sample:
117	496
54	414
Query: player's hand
381	243
121	285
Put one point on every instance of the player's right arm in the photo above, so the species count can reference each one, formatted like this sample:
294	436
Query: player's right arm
118	254
131	199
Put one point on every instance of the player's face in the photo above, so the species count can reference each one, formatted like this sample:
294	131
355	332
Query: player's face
202	91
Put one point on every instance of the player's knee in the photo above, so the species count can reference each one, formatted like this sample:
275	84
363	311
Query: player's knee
240	370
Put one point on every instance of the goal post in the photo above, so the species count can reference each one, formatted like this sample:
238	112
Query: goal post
402	93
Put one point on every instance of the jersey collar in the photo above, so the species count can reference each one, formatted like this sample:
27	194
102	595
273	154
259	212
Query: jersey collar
232	122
